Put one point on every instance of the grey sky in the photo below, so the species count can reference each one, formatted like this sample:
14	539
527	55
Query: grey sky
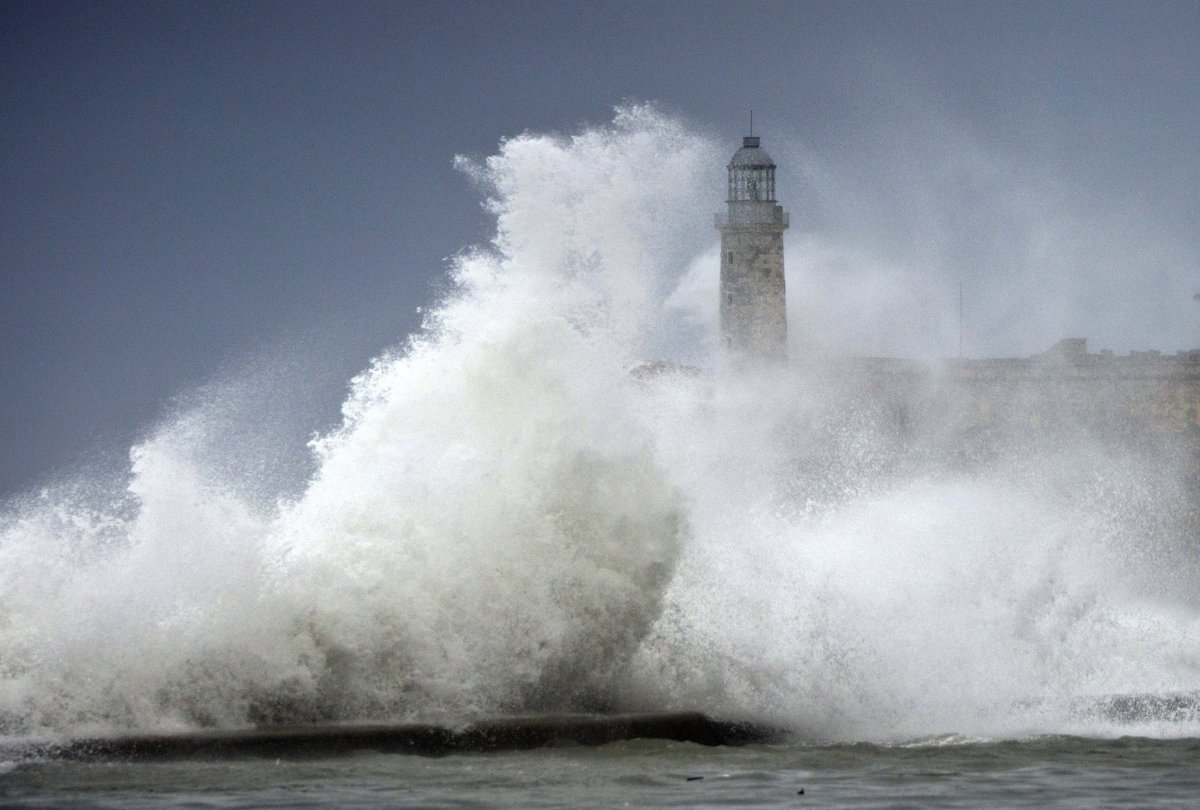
190	188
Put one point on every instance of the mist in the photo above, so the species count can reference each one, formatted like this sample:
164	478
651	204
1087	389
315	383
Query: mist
513	516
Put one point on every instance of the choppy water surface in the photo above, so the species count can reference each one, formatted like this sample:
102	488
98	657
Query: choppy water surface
1045	772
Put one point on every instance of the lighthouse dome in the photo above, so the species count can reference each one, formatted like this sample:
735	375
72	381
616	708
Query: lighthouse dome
751	155
751	173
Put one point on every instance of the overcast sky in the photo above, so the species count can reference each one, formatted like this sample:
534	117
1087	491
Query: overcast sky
191	190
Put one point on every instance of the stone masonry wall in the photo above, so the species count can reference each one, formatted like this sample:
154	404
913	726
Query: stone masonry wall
753	301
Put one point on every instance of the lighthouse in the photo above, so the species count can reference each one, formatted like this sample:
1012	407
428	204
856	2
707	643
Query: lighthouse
753	303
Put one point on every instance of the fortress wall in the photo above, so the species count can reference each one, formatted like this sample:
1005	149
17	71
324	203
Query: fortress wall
1113	398
968	412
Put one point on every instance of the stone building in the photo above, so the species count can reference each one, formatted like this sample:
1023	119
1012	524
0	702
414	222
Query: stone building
753	301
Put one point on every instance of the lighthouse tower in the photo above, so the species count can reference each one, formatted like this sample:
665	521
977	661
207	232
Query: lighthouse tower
753	316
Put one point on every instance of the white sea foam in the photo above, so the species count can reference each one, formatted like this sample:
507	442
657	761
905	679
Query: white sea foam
507	520
838	589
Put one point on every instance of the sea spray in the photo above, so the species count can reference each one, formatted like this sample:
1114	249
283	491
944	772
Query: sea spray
508	520
853	580
489	530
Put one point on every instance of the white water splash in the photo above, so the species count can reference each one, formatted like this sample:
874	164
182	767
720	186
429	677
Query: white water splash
507	521
835	589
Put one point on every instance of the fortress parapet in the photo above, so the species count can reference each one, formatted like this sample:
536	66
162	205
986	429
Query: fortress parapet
1142	404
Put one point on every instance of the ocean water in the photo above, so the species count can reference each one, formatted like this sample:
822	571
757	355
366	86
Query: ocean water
510	518
1059	772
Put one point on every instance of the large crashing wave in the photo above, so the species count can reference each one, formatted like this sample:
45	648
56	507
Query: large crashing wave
488	530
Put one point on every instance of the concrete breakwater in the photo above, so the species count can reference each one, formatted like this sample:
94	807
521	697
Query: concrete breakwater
499	734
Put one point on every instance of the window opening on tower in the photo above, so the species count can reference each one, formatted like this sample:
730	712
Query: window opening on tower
752	184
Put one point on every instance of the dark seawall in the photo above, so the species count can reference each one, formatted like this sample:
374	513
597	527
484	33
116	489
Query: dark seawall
501	734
